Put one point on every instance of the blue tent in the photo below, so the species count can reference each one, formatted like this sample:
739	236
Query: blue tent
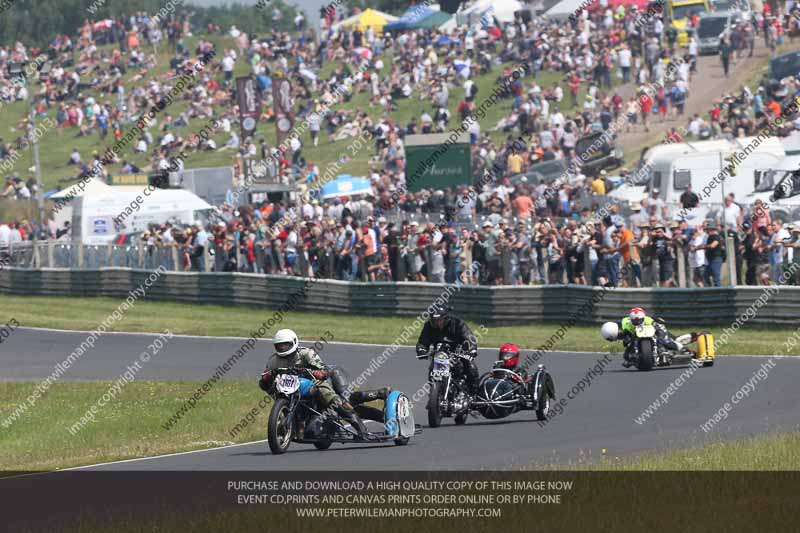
445	40
413	16
346	185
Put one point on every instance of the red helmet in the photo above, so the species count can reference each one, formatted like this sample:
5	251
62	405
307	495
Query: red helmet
637	316
509	356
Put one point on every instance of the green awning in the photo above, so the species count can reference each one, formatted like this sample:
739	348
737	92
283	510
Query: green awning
434	21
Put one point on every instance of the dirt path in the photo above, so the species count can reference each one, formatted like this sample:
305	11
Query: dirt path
707	84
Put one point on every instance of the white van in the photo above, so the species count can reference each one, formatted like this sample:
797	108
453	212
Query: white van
99	219
784	206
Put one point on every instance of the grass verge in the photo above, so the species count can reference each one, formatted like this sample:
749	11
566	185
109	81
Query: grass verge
41	440
237	321
770	452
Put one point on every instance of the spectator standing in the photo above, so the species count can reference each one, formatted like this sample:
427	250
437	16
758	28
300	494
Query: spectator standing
761	250
661	247
748	253
715	255
697	256
689	199
200	244
630	254
725	54
779	236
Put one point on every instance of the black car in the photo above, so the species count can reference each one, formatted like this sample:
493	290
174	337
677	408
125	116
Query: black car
780	68
598	151
545	172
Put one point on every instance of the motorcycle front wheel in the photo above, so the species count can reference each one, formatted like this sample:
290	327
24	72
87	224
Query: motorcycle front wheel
434	409
645	360
279	427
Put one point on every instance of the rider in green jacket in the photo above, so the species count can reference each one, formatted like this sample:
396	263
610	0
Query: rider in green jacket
289	354
625	330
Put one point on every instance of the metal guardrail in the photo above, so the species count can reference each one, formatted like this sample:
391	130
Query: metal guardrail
64	254
490	305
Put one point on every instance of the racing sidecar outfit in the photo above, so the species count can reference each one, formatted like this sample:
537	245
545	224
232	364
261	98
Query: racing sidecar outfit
663	337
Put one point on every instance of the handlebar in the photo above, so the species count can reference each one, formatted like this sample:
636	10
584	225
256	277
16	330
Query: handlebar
296	371
456	352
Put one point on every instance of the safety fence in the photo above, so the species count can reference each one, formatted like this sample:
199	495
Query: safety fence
576	265
493	305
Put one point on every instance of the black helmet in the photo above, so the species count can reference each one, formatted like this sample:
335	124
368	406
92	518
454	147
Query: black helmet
439	311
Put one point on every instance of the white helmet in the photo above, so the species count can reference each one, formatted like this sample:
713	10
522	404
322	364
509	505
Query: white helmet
610	331
285	336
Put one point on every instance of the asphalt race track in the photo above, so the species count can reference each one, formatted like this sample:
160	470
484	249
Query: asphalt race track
602	416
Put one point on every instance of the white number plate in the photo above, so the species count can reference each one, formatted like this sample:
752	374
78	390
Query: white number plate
645	331
288	384
402	408
441	368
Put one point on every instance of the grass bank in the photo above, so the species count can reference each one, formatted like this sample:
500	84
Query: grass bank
129	426
770	452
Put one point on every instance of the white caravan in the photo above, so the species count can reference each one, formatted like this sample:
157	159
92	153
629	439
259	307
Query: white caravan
670	168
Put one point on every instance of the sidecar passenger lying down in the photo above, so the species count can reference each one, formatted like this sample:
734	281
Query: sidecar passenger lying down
296	416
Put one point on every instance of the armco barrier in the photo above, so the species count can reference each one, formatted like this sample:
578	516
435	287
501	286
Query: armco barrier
490	305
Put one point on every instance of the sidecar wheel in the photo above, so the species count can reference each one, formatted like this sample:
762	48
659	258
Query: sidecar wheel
543	408
323	444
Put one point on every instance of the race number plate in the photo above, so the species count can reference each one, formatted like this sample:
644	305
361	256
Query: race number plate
403	409
288	384
645	331
441	368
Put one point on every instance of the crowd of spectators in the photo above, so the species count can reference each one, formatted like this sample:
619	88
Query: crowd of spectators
503	230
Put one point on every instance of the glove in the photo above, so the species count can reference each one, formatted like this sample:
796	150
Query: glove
422	351
265	381
469	350
319	374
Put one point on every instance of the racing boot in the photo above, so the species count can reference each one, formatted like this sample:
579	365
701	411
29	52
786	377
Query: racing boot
626	363
683	340
359	397
473	379
346	411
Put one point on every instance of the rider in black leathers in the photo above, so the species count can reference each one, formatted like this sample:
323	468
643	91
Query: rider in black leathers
450	330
